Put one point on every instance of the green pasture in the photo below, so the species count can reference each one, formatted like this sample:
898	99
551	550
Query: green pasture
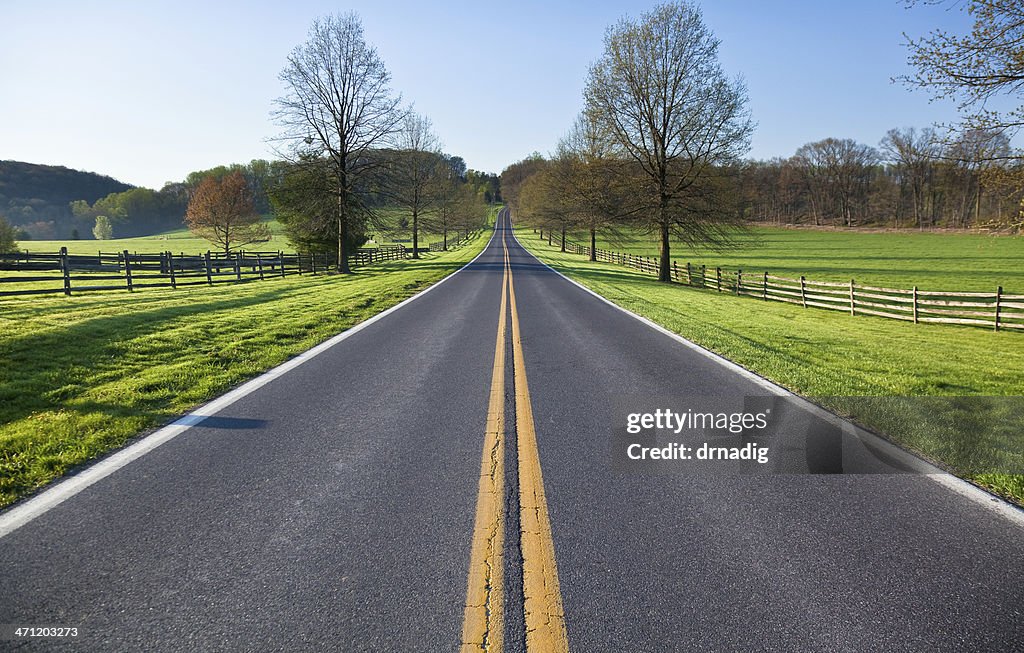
903	259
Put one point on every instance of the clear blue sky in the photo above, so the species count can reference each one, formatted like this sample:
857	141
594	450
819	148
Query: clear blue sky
149	91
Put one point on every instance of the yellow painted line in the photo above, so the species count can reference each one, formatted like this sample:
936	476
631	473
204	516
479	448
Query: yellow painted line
483	619
542	606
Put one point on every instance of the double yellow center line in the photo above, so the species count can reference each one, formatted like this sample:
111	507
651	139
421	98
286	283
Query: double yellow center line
483	621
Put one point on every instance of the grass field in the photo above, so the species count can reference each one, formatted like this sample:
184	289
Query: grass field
81	375
182	240
931	261
833	357
179	240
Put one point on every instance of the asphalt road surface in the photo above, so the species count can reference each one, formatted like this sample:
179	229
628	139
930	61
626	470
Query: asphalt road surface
458	474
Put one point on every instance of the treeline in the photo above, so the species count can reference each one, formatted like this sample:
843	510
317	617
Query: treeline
143	211
54	202
913	179
35	198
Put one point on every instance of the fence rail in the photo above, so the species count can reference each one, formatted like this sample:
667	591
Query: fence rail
67	273
439	246
997	310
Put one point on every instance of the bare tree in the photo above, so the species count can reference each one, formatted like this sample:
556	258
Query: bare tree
338	105
543	198
592	181
412	177
973	154
662	96
447	190
838	173
913	153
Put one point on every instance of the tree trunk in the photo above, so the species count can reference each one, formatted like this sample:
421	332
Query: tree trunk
977	208
593	244
343	267
563	237
415	235
445	232
663	269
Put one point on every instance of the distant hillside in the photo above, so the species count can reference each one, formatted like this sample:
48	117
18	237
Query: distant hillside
35	197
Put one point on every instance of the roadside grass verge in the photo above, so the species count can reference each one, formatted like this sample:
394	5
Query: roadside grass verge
929	260
81	375
840	361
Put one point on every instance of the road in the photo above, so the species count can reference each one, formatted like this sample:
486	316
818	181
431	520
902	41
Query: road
454	475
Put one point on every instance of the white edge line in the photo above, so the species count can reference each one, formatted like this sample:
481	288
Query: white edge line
24	512
990	501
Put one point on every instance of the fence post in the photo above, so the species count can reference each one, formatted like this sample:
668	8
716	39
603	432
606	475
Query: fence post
675	271
128	270
689	276
718	278
999	301
312	262
170	270
65	271
238	267
739	281
915	305
259	264
803	291
764	287
703	276
208	265
280	256
853	300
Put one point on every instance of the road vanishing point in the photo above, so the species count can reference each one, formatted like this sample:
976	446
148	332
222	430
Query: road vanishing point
449	477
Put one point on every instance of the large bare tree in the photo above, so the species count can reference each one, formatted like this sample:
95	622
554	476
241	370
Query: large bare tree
661	94
338	105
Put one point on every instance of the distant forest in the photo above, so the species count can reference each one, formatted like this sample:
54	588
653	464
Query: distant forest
36	198
58	203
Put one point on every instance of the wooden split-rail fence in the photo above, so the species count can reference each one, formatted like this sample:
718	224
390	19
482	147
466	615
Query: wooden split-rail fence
36	274
458	242
996	310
